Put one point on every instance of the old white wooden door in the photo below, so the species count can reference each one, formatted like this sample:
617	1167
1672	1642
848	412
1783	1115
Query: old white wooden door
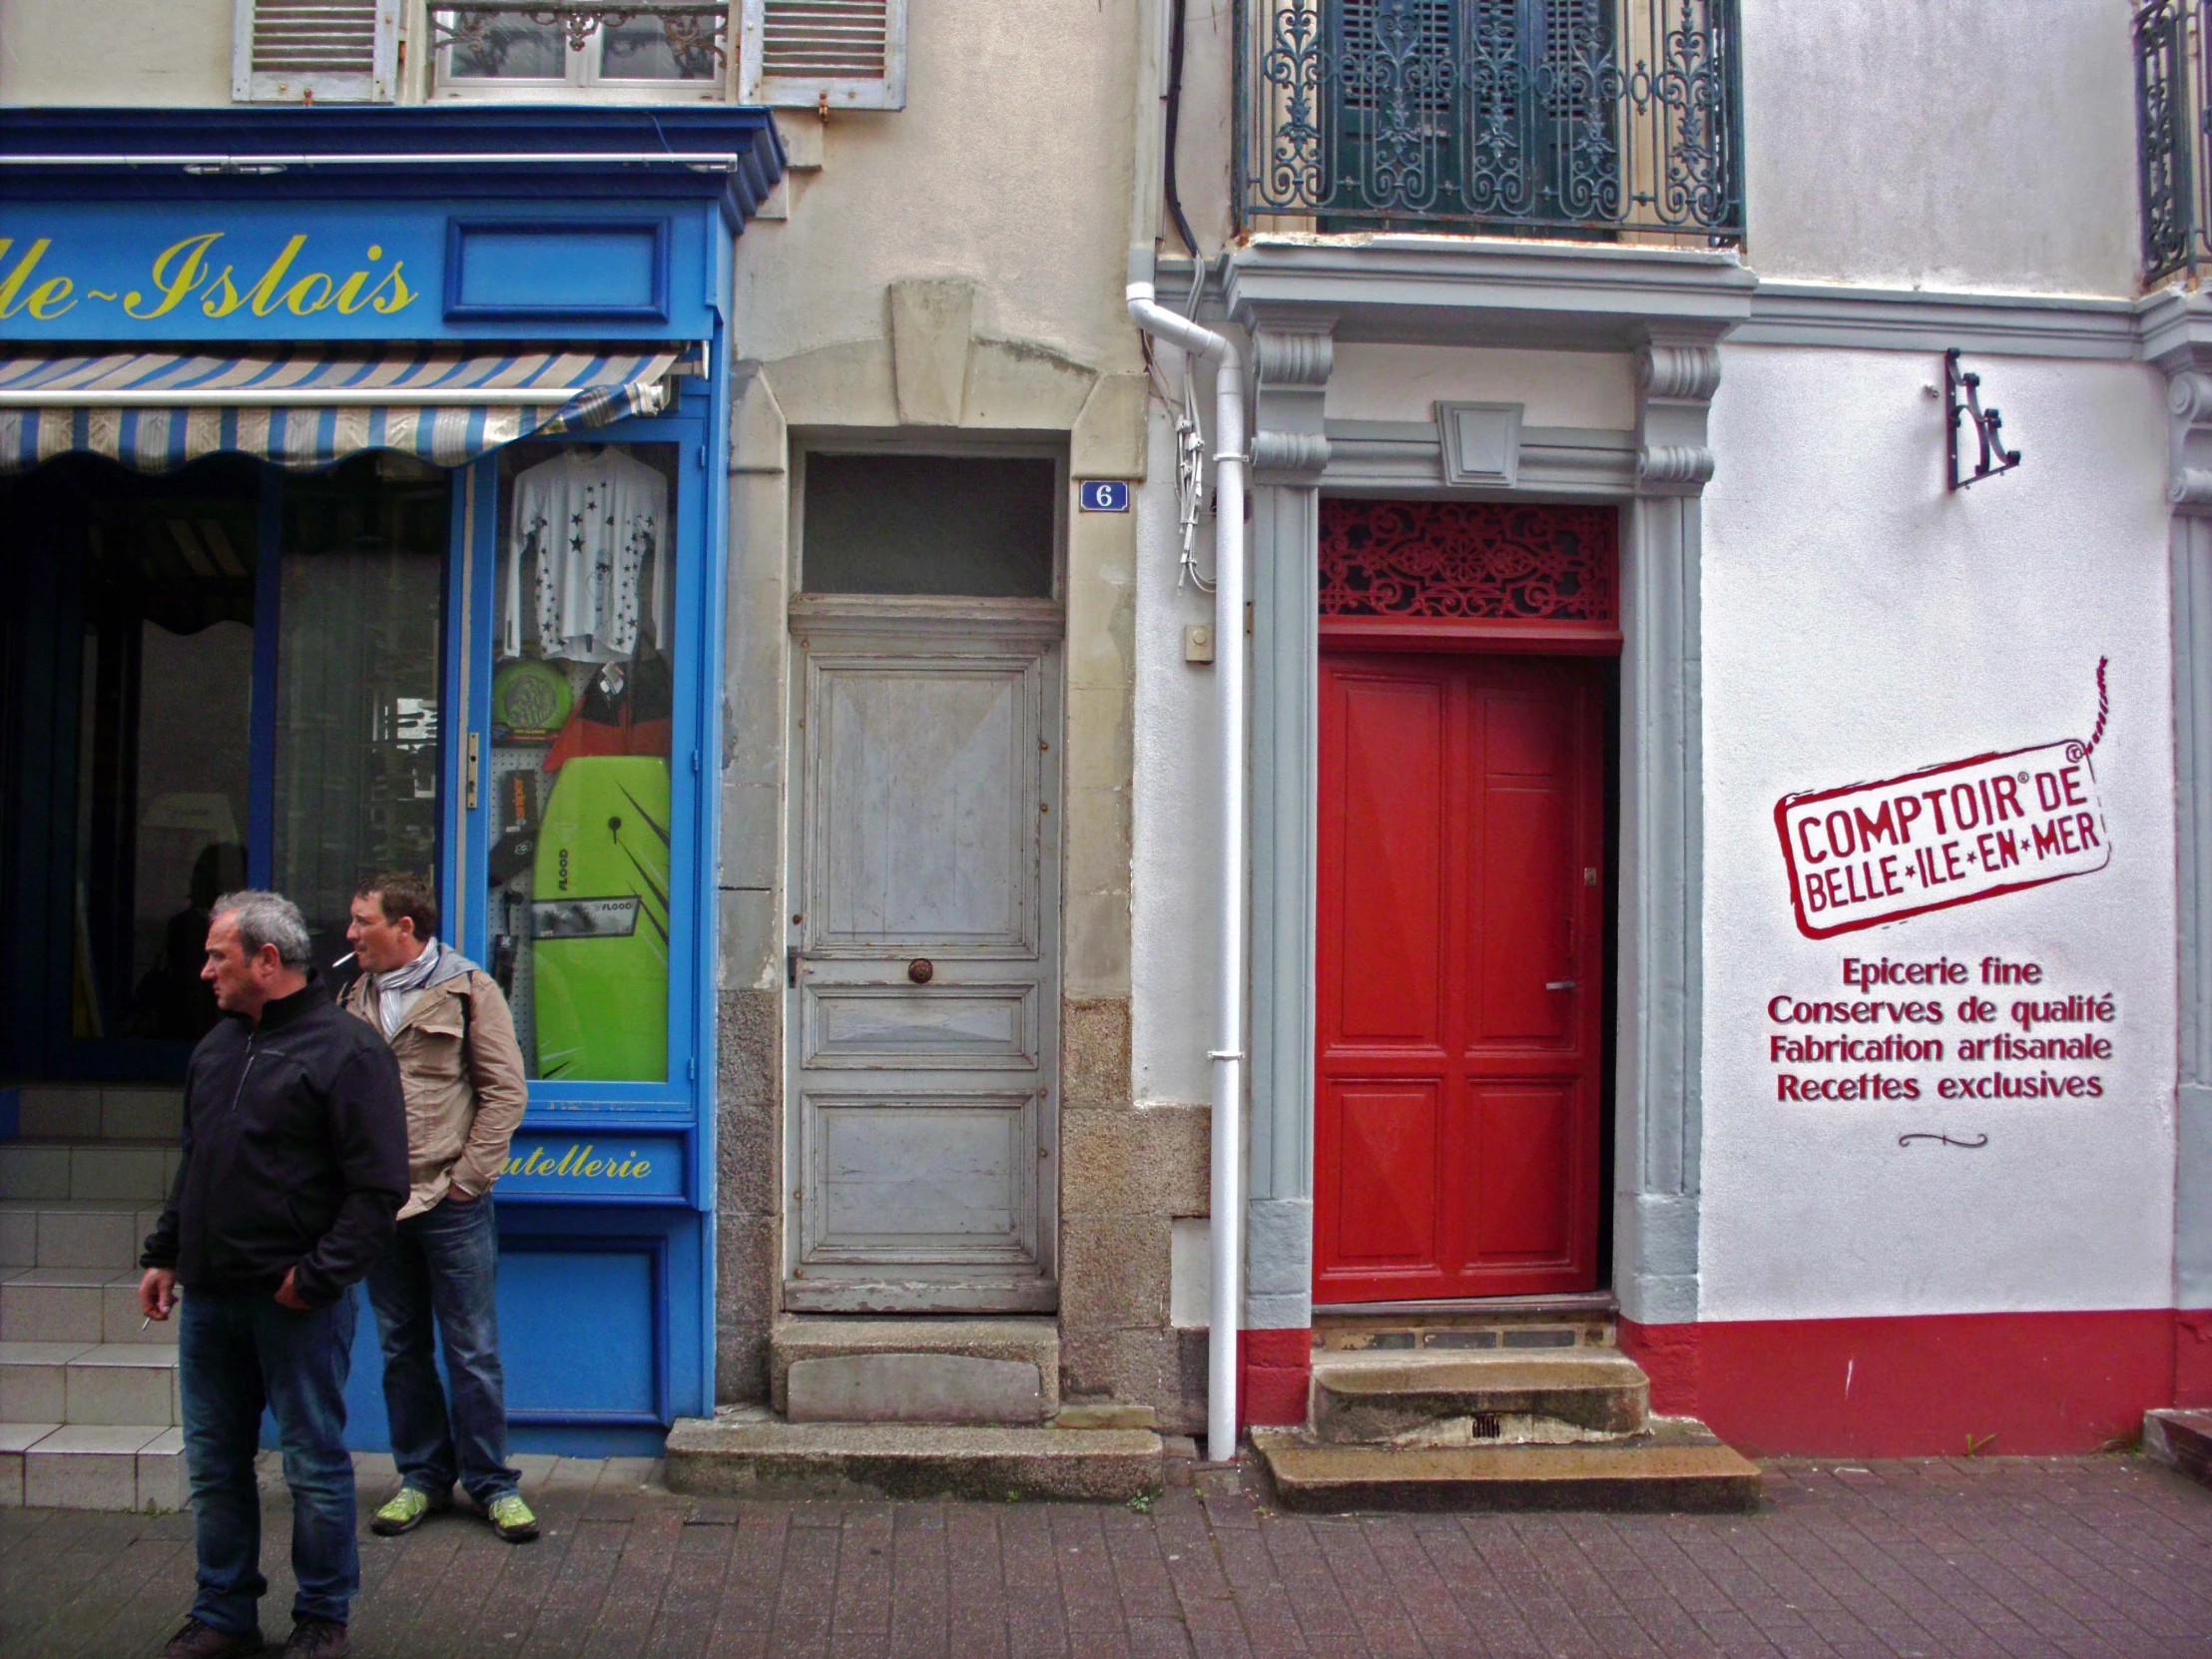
923	1030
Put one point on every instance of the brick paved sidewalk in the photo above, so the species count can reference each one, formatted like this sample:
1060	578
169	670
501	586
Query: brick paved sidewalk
2100	1556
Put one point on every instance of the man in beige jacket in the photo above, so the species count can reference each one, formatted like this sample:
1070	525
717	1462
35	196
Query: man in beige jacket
462	1072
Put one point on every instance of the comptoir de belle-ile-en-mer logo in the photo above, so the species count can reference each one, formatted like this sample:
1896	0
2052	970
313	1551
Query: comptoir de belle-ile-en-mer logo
1868	853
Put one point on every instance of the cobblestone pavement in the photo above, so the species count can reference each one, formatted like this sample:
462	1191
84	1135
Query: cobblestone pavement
2095	1556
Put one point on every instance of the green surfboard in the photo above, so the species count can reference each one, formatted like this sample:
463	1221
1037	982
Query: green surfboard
599	922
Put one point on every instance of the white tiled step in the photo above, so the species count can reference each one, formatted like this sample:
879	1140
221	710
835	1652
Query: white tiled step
112	1171
73	1233
76	1305
84	1112
90	1466
77	1384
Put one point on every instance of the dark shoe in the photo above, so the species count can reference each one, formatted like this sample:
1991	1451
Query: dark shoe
313	1638
201	1640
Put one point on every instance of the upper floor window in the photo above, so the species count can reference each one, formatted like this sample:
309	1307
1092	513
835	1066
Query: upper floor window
1619	119
640	50
2173	75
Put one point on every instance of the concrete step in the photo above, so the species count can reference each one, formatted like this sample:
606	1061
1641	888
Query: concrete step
1504	1323
1677	1466
87	1112
73	1233
1431	1398
128	1172
97	1382
828	1368
51	1466
76	1305
745	1452
2181	1439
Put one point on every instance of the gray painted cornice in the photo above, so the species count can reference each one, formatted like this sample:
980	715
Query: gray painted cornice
1495	293
1462	290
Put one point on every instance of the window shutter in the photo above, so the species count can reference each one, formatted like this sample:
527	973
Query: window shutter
315	51
851	52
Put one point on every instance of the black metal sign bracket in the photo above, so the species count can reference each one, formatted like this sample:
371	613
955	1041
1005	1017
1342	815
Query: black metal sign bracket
1962	401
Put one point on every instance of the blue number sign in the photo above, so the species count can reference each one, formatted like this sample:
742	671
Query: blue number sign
1105	495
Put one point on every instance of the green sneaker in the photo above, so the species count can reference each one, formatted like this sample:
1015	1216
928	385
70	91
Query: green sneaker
404	1512
511	1518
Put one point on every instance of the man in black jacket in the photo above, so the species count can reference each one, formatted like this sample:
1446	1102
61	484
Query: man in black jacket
295	1162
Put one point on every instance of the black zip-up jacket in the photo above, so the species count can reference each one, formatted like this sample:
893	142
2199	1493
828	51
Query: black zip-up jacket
296	1154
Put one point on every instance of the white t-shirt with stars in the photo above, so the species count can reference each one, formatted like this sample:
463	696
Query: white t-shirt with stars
593	522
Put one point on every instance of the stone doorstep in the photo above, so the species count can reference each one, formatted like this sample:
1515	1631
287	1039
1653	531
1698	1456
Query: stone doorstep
55	1305
94	1466
1029	1344
1678	1468
125	1172
743	1453
1379	1397
2181	1440
74	1382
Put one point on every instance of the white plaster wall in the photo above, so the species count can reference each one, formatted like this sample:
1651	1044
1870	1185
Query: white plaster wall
124	52
1010	165
1951	144
1558	388
1860	623
1176	810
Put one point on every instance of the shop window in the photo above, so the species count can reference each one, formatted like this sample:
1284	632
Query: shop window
977	525
582	722
620	54
360	591
164	743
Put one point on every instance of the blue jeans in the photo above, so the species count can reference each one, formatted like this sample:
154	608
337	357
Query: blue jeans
444	1262
236	1353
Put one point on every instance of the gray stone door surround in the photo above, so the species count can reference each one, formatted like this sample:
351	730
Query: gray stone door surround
1671	308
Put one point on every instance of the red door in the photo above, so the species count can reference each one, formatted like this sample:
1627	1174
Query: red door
1460	957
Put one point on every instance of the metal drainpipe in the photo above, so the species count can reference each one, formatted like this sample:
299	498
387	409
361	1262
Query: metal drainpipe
1226	1054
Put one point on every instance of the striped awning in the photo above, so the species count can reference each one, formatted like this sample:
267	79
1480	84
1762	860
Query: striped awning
310	406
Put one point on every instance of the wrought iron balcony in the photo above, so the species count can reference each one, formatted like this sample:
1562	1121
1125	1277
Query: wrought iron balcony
486	38
1591	119
2173	69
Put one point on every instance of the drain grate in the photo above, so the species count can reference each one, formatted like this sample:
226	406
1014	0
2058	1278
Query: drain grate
1487	1426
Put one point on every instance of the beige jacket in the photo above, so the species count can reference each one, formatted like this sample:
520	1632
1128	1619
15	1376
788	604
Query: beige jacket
462	1072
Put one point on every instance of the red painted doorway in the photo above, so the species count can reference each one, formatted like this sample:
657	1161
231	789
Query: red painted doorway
1460	964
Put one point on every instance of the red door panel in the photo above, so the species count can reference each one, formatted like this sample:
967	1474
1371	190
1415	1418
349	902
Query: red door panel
1386	1184
1392	755
1459	975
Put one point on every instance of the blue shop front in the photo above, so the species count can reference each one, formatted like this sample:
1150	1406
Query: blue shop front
363	496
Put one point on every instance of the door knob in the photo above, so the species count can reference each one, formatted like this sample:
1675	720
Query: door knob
1559	984
922	970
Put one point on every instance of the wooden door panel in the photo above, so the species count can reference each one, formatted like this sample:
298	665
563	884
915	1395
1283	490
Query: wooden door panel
923	1130
1393	749
1523	1185
927	806
1460	973
940	1182
1522	939
1387	1143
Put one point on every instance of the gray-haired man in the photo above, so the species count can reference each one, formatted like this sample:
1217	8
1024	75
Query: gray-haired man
295	1161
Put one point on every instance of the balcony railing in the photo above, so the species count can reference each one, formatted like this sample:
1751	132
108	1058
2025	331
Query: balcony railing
1613	120
2172	72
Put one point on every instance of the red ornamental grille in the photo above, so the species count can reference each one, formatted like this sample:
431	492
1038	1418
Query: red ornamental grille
1475	559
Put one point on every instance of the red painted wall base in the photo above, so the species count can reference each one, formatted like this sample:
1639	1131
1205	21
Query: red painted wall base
2012	1383
1273	1370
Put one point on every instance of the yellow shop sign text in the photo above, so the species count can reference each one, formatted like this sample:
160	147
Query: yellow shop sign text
578	1161
194	272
